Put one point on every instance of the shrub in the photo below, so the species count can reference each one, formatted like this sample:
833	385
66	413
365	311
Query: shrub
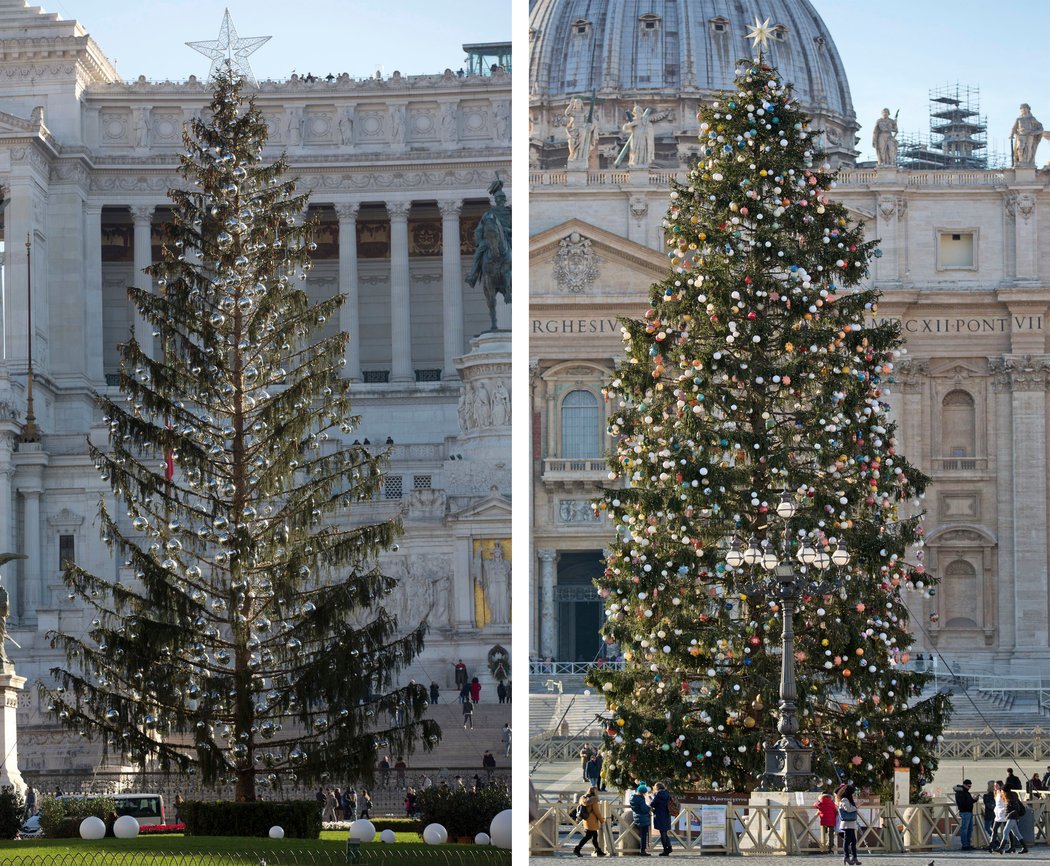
462	812
12	808
299	818
60	819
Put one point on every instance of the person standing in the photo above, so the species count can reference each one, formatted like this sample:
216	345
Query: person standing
988	811
593	770
328	813
31	803
642	817
661	806
468	715
475	690
460	674
435	693
384	771
506	737
399	770
464	693
585	756
1034	784
1011	783
501	692
364	804
488	763
829	816
964	802
592	822
1046	780
848	823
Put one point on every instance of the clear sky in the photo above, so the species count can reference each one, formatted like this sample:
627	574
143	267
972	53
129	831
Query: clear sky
146	37
895	51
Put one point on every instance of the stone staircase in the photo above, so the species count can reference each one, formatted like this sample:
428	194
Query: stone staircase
571	715
464	748
977	709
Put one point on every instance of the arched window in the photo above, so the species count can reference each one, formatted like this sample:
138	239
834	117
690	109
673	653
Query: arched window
958	593
580	436
958	429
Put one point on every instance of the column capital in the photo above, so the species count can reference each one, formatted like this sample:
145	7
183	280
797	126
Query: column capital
142	213
347	211
398	210
547	554
450	207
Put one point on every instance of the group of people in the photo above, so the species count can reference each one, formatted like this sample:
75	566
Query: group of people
1002	809
344	805
839	818
651	810
591	762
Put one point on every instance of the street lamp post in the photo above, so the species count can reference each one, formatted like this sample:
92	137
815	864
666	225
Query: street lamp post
789	763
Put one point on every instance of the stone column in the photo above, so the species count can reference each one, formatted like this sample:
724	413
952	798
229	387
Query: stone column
1028	410
548	557
349	313
94	335
31	548
10	578
400	294
451	285
142	217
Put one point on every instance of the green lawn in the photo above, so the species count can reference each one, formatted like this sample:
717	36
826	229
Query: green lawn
329	850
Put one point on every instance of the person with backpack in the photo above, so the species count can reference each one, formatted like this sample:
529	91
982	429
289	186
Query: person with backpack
661	806
829	817
848	824
1014	810
642	817
590	813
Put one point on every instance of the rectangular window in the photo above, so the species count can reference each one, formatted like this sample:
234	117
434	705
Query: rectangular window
956	250
392	487
422	482
375	376
66	551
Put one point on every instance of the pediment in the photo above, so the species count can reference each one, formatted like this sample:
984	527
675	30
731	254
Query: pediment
12	124
959	369
493	508
578	260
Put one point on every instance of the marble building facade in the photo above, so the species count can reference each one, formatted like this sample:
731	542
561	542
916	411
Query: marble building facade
398	169
965	267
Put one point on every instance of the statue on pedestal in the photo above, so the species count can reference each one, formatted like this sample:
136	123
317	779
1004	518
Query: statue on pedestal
884	138
1025	136
5	612
492	251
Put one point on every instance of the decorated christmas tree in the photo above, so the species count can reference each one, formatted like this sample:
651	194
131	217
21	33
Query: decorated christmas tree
755	387
243	638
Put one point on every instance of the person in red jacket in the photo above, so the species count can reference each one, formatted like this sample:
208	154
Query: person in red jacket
829	815
475	690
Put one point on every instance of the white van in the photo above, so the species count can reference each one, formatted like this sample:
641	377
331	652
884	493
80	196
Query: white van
147	809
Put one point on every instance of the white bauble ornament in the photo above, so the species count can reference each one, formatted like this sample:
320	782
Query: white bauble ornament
126	827
499	829
482	839
363	830
388	836
276	832
435	834
92	828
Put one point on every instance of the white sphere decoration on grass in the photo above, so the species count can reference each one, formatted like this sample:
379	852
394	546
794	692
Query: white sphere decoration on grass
126	827
276	832
482	839
435	834
499	830
388	836
92	828
363	830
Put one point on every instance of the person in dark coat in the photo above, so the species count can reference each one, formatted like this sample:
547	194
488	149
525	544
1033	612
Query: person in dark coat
964	802
435	693
642	817
592	770
988	800
661	807
501	692
1011	782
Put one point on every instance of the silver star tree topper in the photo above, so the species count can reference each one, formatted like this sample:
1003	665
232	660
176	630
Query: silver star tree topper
760	33
232	49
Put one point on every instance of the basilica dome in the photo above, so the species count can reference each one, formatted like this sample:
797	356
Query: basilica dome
667	55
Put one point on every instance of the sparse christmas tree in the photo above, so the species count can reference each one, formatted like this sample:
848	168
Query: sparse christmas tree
758	377
245	638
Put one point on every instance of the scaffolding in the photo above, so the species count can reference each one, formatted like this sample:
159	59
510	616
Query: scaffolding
958	136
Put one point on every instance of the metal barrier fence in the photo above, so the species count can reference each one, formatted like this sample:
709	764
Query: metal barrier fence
776	829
